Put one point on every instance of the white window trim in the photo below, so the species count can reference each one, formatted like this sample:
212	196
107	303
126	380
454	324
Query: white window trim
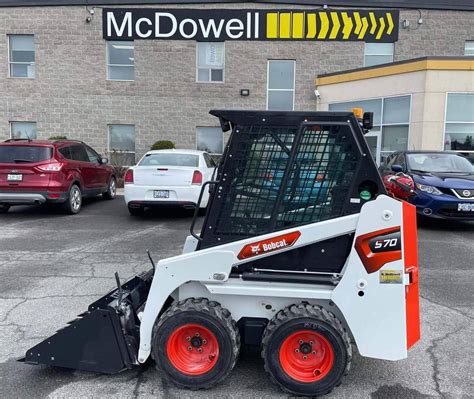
446	116
10	62
211	127
294	81
209	69
107	65
11	127
109	150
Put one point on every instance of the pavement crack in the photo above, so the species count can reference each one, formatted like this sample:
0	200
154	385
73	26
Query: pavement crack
7	314
456	310
431	350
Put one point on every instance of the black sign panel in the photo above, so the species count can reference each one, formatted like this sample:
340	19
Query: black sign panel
272	25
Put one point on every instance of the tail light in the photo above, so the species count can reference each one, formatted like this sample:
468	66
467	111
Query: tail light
197	177
268	176
50	167
128	177
320	177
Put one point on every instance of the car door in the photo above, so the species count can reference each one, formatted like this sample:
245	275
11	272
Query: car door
86	168
101	172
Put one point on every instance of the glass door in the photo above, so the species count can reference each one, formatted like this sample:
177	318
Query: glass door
375	143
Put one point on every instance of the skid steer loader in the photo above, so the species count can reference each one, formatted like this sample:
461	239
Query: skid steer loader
301	254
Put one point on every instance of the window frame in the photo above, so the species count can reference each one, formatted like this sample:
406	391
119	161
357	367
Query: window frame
16	121
471	41
446	121
382	125
10	62
124	151
209	69
378	55
108	65
211	127
294	81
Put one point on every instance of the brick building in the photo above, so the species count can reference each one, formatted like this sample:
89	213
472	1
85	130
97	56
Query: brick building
60	76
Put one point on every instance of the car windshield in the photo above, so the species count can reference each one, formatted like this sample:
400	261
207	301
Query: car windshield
439	163
24	154
167	159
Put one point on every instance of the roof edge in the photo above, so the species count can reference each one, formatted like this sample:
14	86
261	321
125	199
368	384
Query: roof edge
395	68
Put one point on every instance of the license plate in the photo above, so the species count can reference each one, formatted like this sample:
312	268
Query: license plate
14	177
161	194
465	207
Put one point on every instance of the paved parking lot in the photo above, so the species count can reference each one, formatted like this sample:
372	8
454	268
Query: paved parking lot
52	266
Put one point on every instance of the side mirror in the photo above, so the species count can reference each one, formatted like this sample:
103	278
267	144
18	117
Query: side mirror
397	168
104	160
368	120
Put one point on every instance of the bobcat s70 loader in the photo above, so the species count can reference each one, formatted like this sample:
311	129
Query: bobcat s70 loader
301	254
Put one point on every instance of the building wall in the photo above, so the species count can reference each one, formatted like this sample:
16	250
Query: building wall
428	89
70	94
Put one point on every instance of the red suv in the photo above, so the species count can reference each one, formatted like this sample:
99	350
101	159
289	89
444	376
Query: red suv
62	172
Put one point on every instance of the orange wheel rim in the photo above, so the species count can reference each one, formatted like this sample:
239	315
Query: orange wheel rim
306	356
192	349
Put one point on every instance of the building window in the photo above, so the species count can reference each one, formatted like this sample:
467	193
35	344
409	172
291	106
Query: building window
21	56
391	123
210	62
122	145
281	85
23	130
459	127
378	53
120	60
469	48
210	139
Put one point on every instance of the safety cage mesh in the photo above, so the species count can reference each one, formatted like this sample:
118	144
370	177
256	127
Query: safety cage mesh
278	177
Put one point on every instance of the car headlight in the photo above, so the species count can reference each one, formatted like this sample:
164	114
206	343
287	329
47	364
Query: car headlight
428	189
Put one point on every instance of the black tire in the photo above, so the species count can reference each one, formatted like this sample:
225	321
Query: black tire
73	204
208	316
283	341
4	208
111	189
136	211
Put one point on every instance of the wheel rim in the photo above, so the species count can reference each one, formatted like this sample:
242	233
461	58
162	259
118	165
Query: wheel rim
193	349
306	356
112	187
75	198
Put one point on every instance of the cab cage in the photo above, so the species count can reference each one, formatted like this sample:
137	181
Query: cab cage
285	169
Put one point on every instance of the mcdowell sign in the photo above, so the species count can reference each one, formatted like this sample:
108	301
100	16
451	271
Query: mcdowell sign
221	25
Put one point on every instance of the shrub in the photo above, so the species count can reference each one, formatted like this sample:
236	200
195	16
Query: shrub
163	145
58	138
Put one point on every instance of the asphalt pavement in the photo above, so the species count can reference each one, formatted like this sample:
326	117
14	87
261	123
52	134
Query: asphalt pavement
52	266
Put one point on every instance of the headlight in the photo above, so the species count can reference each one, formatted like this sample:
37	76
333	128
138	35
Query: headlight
428	189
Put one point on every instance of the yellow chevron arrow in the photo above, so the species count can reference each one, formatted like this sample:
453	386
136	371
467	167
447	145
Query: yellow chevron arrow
382	27
348	25
358	22
324	25
335	25
390	23
373	21
365	25
312	27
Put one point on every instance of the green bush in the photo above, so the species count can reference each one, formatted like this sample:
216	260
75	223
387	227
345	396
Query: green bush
163	145
58	138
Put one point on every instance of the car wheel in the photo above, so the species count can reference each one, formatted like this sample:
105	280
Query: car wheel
111	190
73	204
4	208
136	211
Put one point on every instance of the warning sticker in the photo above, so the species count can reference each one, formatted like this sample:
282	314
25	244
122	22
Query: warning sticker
391	277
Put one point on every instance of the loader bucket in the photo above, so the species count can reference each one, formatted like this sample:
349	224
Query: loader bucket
104	339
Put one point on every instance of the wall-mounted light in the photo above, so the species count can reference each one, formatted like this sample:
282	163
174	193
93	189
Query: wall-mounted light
91	12
244	92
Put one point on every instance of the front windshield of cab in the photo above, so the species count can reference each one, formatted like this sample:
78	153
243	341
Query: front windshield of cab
439	163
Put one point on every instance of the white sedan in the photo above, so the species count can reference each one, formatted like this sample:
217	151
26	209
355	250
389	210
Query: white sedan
168	178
